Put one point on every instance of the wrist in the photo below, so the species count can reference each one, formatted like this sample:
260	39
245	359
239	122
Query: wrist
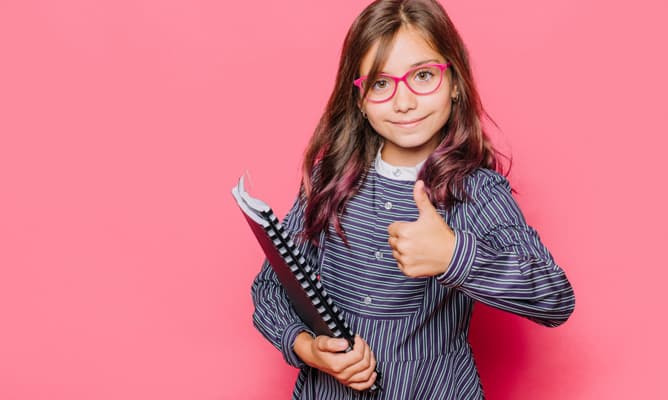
449	250
303	347
463	256
442	258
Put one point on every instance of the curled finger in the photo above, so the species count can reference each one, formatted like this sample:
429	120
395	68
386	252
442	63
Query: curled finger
367	368
366	384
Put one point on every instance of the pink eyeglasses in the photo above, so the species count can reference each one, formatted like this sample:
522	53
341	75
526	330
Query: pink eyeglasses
421	80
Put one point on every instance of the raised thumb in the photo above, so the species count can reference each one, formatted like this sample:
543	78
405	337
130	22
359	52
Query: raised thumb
421	199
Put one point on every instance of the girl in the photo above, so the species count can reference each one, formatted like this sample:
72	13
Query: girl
404	212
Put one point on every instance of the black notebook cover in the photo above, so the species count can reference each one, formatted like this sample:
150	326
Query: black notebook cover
307	295
309	298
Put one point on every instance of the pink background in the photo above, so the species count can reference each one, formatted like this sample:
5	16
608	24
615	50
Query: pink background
125	267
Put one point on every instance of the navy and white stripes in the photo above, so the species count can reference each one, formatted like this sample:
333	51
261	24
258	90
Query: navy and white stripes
418	328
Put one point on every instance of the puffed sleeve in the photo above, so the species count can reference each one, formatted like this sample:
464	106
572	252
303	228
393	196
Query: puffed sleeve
499	260
274	315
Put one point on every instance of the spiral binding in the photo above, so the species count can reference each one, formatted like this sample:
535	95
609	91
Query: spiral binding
262	218
307	279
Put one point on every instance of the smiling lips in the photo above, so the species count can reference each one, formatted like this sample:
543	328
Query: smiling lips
408	123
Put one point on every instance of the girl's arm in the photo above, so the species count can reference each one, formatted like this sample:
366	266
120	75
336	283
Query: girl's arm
276	319
274	316
499	260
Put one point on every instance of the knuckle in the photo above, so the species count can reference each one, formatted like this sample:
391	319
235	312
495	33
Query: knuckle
408	271
404	246
361	386
366	375
337	368
348	377
356	385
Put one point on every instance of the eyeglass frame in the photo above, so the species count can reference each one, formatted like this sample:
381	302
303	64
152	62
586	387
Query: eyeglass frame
359	81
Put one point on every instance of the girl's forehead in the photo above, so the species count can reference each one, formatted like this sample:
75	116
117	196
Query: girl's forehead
408	48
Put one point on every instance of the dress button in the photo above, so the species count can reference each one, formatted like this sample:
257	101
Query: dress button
379	255
388	205
367	300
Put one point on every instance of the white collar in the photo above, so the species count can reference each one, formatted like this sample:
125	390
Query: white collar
390	171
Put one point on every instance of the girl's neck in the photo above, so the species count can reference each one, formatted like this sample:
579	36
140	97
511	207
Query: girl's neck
396	172
407	156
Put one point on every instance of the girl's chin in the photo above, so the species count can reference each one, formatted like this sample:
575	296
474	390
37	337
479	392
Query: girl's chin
407	153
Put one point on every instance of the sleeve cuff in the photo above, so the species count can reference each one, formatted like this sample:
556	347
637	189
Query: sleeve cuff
288	341
462	260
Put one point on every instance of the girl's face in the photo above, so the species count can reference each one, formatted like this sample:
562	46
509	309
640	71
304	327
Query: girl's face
408	122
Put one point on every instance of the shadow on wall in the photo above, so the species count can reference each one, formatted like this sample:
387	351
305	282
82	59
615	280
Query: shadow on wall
499	342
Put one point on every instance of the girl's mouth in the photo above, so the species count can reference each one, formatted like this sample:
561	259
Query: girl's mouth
408	123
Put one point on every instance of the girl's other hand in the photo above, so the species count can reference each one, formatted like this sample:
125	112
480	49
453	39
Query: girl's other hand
355	368
424	247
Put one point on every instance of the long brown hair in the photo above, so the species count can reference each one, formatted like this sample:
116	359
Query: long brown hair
344	145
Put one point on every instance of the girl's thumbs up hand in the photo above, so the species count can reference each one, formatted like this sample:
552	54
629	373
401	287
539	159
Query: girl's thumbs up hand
423	247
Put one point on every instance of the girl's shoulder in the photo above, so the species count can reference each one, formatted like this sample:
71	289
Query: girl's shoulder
482	181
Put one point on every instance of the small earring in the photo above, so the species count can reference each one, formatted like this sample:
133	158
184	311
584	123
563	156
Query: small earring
455	98
363	114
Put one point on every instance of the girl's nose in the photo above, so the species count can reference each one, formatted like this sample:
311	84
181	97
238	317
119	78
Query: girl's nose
404	100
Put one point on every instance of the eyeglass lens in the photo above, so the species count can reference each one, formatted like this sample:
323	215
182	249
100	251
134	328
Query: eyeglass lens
421	80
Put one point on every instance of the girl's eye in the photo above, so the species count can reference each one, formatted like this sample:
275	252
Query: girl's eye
380	84
424	75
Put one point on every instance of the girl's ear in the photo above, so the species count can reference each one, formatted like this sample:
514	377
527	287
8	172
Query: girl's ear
359	106
454	95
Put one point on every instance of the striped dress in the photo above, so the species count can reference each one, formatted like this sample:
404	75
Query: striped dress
418	327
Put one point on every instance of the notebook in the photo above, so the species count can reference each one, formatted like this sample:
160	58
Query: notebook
309	298
307	295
